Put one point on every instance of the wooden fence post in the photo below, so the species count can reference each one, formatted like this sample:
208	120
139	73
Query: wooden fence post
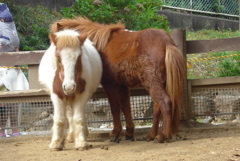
33	77
179	37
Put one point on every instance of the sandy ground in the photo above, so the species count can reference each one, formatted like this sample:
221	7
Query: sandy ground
203	143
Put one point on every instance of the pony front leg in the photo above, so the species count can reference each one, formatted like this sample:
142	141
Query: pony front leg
70	137
80	127
126	109
115	105
59	124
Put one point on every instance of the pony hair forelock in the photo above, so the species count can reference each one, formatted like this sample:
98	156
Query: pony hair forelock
67	39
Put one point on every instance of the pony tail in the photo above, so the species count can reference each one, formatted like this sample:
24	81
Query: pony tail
174	81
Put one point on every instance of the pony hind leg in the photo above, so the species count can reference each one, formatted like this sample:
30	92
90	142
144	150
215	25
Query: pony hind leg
59	124
164	108
154	82
126	109
156	119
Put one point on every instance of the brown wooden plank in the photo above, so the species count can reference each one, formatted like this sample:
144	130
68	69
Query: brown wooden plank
21	58
23	93
215	81
138	91
213	45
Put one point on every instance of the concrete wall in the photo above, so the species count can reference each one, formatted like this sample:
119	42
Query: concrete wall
197	22
52	4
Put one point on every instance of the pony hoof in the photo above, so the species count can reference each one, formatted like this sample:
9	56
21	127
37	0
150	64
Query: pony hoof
162	139
56	149
116	140
82	148
149	139
131	138
156	140
159	140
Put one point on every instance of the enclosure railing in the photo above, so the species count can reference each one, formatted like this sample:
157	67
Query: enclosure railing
228	8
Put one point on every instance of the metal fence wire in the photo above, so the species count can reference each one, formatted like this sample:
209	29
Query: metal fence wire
220	104
35	113
217	6
26	113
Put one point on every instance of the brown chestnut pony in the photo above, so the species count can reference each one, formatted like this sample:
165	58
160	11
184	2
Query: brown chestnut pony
147	58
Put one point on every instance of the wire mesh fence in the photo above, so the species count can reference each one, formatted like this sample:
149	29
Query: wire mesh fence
217	6
218	104
26	113
35	113
98	111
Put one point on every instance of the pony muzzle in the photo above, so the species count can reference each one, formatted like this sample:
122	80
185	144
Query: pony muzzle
69	88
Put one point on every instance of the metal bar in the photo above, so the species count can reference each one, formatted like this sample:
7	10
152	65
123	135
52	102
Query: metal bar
239	13
136	119
217	114
206	12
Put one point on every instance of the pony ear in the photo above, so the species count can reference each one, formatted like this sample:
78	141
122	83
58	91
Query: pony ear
82	38
59	27
52	38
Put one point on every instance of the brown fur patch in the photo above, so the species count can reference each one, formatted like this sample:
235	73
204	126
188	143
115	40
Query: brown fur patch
123	46
78	76
57	82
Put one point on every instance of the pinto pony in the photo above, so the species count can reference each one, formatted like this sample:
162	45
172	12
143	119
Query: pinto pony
71	69
147	58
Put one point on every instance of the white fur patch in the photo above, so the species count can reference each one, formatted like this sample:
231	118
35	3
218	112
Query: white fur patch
129	30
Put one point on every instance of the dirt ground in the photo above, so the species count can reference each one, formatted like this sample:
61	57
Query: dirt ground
201	143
